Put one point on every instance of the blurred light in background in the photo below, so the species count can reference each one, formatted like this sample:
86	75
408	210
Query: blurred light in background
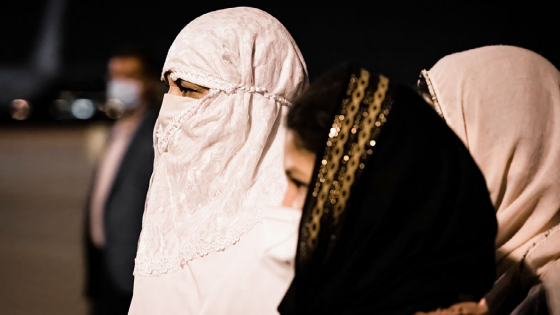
71	105
114	108
20	109
83	108
60	108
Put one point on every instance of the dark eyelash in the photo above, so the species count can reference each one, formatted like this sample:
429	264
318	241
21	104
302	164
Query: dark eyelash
296	182
183	89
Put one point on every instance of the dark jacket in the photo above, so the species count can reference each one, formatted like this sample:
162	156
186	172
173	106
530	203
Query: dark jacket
109	270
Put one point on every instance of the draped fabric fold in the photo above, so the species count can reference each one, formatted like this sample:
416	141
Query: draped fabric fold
504	104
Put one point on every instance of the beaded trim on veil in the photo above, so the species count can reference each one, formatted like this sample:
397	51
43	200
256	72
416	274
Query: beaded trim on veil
219	84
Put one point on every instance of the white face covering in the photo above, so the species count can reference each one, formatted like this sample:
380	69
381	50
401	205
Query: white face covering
263	266
281	226
171	107
218	160
127	94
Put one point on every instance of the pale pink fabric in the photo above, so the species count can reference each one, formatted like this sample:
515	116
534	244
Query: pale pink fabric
250	278
218	160
118	142
204	246
504	104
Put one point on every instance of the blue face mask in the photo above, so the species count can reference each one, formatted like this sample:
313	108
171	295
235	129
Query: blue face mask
126	92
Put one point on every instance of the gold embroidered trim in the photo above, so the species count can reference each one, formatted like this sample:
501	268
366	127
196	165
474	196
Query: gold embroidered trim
357	150
335	148
331	192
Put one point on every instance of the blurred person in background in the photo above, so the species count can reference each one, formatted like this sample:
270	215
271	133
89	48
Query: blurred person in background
117	197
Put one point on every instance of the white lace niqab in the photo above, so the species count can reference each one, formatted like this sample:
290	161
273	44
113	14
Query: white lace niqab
218	160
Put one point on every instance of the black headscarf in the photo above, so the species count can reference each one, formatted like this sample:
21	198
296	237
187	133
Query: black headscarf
397	218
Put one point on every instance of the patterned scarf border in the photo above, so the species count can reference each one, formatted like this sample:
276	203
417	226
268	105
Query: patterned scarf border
351	140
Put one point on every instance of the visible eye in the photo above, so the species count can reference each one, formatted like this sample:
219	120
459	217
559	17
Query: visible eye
186	89
296	182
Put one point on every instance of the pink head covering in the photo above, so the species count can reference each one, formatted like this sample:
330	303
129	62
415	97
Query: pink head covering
504	104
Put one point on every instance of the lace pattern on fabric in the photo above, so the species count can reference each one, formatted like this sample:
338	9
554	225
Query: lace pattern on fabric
218	160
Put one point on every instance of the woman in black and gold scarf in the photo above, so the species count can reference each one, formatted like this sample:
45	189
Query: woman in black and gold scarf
396	215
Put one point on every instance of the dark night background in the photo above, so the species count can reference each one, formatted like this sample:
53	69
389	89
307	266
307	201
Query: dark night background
47	159
396	38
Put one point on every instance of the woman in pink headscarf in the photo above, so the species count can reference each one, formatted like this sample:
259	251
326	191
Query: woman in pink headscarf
504	104
218	166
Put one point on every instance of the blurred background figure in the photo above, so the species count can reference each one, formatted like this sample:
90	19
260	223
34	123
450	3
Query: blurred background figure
121	180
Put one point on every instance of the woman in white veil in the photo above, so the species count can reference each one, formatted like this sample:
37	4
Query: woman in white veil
218	157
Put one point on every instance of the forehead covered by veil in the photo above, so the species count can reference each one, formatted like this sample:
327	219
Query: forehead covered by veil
218	160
